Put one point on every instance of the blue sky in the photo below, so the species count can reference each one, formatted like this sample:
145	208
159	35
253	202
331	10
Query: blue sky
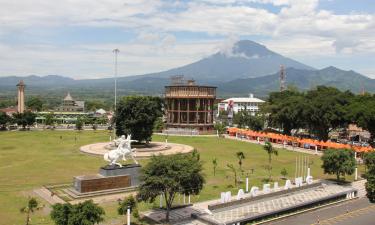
76	38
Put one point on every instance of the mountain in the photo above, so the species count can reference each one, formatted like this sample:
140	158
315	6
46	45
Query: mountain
302	79
244	60
246	67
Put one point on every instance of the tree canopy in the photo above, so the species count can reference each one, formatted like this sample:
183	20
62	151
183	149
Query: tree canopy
24	119
339	162
169	175
34	103
4	120
285	110
370	176
136	115
87	213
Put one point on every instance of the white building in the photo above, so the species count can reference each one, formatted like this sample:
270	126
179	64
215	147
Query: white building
250	104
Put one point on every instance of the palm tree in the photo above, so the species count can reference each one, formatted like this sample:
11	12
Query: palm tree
240	156
214	162
32	204
270	151
230	166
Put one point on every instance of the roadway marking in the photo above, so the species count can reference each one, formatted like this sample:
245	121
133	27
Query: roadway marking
346	216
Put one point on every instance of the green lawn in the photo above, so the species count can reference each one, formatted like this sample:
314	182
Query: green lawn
31	159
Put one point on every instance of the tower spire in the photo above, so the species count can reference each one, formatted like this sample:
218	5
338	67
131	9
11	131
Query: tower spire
282	78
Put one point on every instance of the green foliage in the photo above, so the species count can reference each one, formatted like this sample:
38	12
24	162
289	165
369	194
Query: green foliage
159	124
370	187
87	213
169	175
220	127
362	111
284	173
326	109
128	202
79	123
240	156
285	110
136	115
93	105
320	110
4	120
60	213
231	167
49	118
339	162
32	205
24	119
270	151
370	175
34	103
246	119
214	163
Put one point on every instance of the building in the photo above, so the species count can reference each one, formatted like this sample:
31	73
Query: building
71	105
21	97
189	106
250	104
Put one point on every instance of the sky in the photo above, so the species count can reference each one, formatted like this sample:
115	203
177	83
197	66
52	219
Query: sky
75	38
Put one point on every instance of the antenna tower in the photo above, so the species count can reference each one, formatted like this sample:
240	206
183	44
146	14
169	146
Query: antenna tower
282	78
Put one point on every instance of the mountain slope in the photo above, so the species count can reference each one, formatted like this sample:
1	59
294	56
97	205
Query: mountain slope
245	59
302	79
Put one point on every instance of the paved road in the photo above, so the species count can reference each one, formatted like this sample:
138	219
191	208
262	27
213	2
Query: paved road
358	212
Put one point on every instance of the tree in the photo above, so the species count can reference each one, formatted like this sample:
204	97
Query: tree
159	124
49	119
220	127
214	163
270	151
61	212
169	175
86	212
79	123
136	115
34	103
32	205
240	156
4	120
95	105
128	202
284	110
361	111
246	119
325	110
370	176
231	167
284	173
339	162
24	119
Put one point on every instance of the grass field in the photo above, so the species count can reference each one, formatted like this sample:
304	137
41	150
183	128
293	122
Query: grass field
31	159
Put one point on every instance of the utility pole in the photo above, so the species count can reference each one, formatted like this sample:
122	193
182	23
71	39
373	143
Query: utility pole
116	51
282	78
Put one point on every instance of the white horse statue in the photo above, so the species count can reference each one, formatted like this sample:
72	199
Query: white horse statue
123	149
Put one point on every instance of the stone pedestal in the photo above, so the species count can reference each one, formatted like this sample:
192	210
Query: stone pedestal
109	177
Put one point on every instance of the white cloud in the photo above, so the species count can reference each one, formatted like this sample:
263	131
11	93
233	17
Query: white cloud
299	28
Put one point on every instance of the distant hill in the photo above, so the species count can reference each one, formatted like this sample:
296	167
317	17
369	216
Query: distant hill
302	79
246	67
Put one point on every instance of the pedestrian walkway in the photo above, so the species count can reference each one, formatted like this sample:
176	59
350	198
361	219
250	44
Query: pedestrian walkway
48	196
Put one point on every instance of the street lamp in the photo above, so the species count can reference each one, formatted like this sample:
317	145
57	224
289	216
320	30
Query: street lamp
116	51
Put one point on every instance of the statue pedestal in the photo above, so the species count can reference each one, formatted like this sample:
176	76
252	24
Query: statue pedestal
109	177
132	170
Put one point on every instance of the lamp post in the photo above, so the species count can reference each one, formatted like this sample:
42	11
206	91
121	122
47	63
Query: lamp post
116	51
